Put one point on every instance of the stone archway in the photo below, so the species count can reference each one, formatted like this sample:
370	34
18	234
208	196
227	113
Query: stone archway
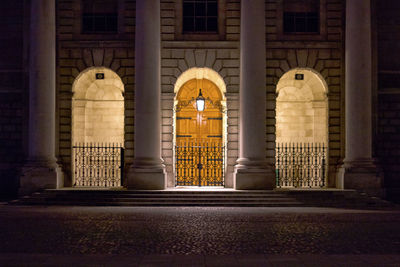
97	128
203	133
301	129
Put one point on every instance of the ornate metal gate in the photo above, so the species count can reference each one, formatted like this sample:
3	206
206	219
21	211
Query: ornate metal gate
199	164
301	165
98	165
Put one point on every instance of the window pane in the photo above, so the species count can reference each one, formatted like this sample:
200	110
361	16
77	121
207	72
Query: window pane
188	9
188	24
200	16
87	25
288	22
99	23
100	16
200	24
301	22
212	24
212	9
301	16
200	9
112	23
313	24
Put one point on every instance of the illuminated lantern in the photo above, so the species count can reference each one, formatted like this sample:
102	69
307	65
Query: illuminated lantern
200	102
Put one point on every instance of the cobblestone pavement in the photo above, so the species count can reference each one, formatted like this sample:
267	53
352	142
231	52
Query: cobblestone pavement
198	236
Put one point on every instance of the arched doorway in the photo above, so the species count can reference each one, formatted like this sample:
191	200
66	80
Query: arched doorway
301	129
199	135
97	128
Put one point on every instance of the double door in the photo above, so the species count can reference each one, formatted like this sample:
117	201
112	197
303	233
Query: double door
199	150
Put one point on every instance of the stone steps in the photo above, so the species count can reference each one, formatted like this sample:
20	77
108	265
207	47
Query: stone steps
211	198
166	204
170	199
159	198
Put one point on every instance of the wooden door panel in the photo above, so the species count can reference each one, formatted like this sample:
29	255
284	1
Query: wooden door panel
193	127
214	127
182	126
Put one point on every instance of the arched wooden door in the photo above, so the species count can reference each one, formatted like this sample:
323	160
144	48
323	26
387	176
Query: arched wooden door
199	147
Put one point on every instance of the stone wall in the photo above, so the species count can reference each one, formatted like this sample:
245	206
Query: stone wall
301	122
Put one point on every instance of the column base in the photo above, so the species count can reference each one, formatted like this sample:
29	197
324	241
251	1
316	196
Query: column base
37	175
147	178
253	175
361	175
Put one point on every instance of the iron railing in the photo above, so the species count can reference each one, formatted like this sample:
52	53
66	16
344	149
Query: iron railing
98	165
301	165
199	164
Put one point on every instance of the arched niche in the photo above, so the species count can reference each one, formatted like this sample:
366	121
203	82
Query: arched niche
302	107
98	107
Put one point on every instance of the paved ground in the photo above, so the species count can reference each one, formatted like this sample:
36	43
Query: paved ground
195	236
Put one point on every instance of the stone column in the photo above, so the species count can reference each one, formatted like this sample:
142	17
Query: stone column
252	170
40	170
359	170
147	170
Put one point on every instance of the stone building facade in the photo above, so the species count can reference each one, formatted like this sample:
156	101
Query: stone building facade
223	56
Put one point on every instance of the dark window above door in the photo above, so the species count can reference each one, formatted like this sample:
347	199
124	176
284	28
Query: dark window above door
301	16
99	16
200	16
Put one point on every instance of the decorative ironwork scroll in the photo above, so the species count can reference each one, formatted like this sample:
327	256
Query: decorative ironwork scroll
301	165
199	164
98	165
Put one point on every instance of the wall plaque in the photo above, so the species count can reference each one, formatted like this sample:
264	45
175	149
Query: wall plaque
299	76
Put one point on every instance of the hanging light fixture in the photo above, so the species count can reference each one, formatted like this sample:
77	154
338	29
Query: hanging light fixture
200	102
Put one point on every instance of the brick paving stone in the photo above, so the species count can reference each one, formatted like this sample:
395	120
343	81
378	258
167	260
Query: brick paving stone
198	236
